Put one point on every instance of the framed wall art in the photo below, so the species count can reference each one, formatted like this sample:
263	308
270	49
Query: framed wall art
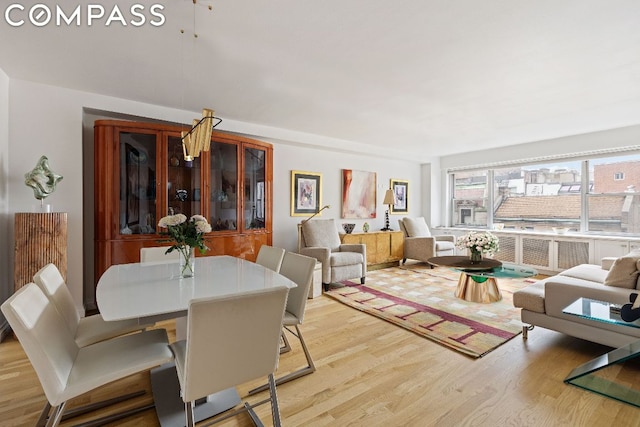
306	193
401	196
358	194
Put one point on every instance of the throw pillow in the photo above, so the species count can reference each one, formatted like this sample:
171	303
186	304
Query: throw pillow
623	272
416	227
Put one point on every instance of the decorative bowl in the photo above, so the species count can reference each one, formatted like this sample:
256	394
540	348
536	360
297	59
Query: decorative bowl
560	230
348	228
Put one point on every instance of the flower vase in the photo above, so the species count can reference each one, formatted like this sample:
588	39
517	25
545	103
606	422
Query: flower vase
187	261
476	257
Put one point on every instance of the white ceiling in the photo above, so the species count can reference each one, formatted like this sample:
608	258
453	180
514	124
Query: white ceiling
422	77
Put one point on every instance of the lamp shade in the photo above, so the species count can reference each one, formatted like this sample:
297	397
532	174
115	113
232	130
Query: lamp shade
389	198
198	138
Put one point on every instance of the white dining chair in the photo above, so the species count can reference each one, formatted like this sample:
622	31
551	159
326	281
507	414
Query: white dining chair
270	257
230	340
65	369
158	254
298	268
85	330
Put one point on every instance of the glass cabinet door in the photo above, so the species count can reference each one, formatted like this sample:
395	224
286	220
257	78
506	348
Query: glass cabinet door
183	181
254	188
137	183
224	186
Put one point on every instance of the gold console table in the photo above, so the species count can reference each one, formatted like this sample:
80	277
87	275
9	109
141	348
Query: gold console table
384	248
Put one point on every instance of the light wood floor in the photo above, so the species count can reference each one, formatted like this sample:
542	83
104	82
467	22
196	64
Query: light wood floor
372	373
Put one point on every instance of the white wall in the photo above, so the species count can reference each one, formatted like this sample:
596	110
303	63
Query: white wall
565	146
6	275
47	120
330	164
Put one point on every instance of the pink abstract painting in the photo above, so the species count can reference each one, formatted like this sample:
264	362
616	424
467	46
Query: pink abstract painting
358	194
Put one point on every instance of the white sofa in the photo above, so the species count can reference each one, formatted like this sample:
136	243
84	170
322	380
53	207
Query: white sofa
543	301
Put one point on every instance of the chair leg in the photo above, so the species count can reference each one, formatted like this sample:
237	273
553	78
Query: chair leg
362	280
309	369
44	415
102	404
188	411
286	347
275	410
56	415
42	421
252	414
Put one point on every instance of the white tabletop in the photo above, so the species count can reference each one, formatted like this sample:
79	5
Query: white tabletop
129	291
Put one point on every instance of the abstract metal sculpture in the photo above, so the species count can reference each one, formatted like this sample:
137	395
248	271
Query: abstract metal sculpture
42	179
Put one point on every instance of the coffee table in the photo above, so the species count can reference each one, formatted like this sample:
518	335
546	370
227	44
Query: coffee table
477	282
590	376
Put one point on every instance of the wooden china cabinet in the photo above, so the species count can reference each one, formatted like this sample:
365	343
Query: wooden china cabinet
140	176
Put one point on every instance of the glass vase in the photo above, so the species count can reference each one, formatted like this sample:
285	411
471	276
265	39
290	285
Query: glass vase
476	257
187	262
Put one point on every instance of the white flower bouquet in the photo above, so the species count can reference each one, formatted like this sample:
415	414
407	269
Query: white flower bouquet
480	242
183	232
185	235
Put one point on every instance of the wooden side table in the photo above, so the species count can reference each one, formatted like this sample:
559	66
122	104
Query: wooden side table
40	239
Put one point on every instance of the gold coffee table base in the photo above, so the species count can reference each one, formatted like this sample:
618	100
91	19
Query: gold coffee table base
484	290
477	281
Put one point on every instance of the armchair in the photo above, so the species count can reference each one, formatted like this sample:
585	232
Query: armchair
420	244
319	239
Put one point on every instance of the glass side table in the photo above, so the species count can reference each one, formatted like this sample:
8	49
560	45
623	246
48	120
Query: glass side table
591	375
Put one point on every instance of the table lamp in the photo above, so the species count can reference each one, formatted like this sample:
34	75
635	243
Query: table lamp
389	200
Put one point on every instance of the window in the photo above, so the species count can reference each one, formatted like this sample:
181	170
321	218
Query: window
541	196
470	199
538	197
614	204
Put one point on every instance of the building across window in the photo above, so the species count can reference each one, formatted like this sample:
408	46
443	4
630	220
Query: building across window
540	197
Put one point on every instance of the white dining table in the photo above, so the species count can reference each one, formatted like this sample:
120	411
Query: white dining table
154	291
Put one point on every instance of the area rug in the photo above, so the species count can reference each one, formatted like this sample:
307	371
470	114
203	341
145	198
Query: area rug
421	300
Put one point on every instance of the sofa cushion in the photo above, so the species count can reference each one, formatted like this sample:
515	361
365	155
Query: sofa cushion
530	298
591	272
416	227
623	272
